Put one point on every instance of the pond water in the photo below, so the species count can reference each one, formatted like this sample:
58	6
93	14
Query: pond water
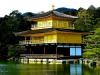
47	69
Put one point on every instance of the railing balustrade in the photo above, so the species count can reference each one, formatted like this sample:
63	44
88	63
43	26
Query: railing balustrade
41	55
31	42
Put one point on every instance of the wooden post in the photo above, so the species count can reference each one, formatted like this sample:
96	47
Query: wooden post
25	41
30	49
44	49
56	51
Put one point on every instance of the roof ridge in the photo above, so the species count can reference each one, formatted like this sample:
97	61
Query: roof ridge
55	13
60	13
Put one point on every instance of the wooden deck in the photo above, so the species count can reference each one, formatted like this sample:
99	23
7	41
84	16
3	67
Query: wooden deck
41	56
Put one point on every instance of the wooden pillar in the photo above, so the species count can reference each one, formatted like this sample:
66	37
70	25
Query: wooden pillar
56	51
25	40
44	49
30	49
31	39
27	60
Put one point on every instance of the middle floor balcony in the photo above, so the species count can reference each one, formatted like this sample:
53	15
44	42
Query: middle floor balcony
52	37
24	42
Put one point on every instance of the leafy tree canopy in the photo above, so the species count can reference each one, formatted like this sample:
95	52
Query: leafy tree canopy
14	22
92	48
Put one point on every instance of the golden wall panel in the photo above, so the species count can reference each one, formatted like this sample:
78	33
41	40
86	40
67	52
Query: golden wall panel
55	24
50	38
69	38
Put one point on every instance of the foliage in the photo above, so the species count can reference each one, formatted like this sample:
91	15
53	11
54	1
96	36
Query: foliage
9	24
15	50
85	22
89	20
92	48
16	22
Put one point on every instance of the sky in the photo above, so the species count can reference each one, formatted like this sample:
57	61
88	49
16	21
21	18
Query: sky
35	6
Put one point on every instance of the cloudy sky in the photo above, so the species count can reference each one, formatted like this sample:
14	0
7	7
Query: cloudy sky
7	6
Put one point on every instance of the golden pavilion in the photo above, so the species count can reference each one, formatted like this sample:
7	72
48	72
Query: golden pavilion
52	37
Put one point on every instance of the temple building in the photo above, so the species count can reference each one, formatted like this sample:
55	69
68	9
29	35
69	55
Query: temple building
53	36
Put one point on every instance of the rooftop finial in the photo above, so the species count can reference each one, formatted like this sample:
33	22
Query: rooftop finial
53	6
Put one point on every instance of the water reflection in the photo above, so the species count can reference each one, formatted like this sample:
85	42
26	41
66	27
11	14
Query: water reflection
75	69
47	69
8	69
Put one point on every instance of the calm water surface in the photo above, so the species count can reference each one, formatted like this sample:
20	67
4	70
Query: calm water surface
47	69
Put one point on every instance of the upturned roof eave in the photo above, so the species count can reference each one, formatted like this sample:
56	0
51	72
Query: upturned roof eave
54	13
50	30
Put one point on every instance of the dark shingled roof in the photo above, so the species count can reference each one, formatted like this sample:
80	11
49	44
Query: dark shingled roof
56	13
46	30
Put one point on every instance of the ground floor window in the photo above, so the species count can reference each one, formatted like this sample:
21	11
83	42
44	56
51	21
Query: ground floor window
78	52
75	51
72	52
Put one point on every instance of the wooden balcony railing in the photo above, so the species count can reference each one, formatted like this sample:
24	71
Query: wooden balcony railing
31	42
34	27
36	56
